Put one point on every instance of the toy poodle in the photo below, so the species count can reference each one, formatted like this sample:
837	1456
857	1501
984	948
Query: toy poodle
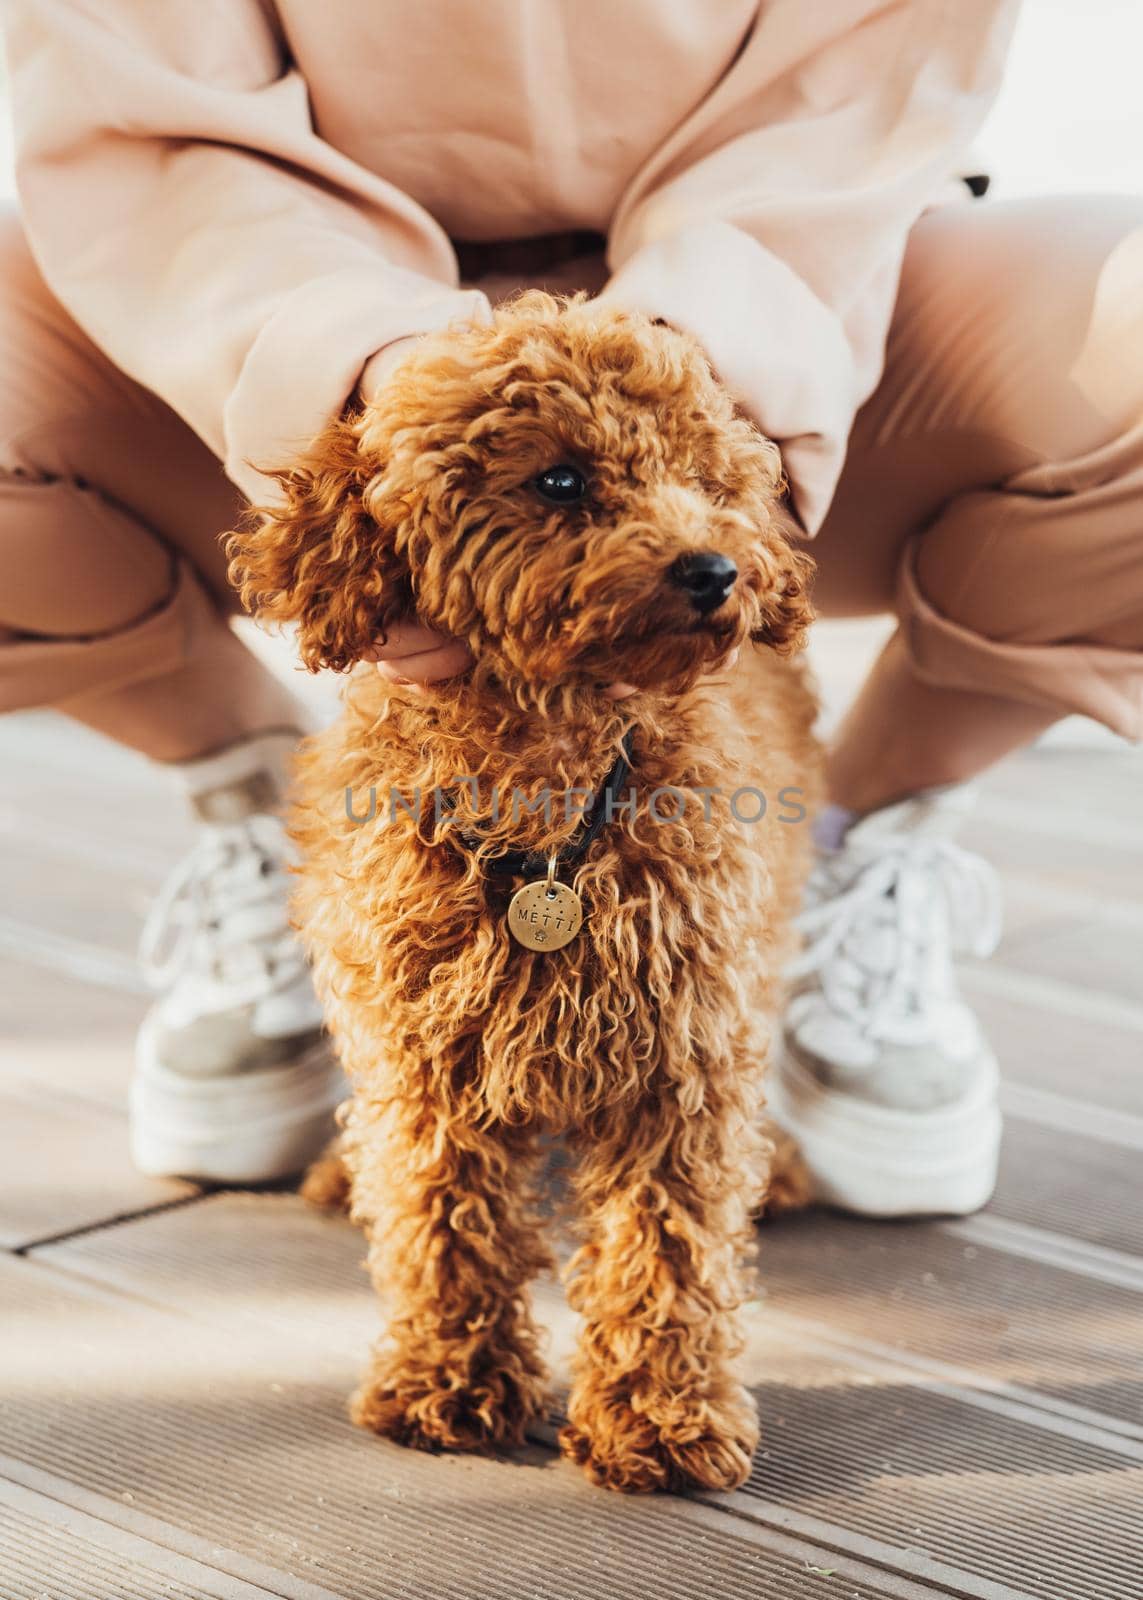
536	908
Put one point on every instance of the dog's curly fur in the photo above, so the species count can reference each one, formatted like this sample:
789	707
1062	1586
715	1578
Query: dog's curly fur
643	1042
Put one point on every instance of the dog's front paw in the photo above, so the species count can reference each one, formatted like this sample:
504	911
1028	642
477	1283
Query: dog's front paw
620	1448
416	1408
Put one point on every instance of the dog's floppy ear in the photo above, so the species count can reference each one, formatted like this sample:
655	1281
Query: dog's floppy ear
784	595
319	558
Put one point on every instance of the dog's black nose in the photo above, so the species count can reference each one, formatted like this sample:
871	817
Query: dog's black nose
707	576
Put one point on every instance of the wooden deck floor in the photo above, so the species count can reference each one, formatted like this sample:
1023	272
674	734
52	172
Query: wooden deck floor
950	1408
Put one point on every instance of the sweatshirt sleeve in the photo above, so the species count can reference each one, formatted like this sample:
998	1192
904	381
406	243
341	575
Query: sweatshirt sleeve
772	225
184	210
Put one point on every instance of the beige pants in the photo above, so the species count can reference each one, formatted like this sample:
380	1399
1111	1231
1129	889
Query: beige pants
992	499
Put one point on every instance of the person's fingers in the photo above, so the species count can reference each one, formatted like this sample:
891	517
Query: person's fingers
413	653
445	660
623	691
380	367
406	637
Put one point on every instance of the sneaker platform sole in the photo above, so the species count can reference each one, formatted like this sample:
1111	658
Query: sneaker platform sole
879	1162
254	1127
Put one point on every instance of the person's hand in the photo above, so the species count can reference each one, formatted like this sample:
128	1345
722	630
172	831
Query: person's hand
414	654
380	367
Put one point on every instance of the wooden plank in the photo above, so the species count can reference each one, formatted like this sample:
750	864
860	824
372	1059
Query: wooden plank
215	1427
66	1166
860	1458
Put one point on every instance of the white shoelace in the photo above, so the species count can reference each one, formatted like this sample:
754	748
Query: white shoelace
880	937
221	915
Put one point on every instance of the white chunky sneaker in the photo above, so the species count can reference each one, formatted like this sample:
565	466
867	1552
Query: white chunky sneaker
884	1077
234	1081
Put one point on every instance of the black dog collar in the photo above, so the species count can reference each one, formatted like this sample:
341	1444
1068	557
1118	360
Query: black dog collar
530	863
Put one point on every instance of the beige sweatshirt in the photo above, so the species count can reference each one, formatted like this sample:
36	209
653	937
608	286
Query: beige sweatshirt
241	202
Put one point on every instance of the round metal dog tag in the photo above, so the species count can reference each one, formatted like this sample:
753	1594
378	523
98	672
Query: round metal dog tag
545	915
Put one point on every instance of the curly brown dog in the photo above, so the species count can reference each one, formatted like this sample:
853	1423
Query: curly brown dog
570	491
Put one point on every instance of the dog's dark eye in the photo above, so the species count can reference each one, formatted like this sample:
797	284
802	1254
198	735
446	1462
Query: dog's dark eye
561	485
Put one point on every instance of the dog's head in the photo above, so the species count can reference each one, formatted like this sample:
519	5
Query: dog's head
568	489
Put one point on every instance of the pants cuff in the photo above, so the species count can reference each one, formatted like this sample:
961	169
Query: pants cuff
48	672
1090	679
